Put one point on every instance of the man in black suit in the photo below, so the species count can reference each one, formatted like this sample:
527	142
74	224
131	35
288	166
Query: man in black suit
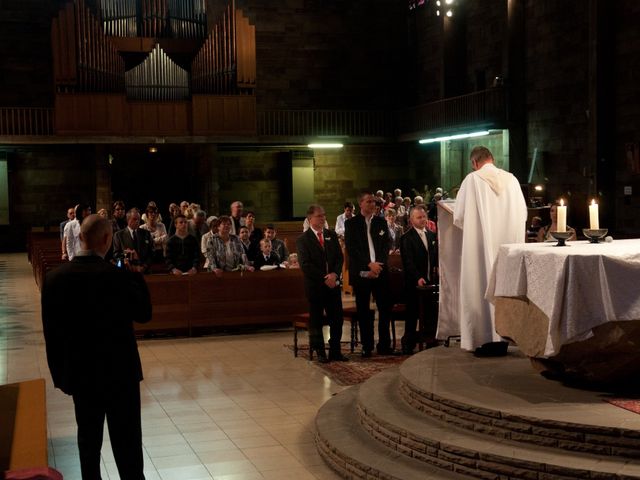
367	240
91	348
420	264
133	245
321	260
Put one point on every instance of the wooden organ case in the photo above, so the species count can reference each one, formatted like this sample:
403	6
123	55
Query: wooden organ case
153	68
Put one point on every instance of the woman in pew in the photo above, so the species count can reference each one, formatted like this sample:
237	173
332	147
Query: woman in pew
224	252
158	234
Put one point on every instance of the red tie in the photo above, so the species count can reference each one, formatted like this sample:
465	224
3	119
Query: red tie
321	239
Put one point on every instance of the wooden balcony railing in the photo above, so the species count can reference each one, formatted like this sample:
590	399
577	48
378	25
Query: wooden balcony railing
26	121
325	123
486	108
479	108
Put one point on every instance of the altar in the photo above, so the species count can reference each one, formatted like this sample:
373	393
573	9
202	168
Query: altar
575	308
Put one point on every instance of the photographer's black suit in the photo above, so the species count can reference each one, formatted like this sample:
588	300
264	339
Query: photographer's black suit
317	261
88	310
355	236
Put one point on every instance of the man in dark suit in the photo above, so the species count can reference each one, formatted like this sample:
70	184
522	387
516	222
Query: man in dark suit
133	245
91	348
420	264
321	260
367	240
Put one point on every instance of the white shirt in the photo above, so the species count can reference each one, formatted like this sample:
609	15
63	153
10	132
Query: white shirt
72	238
372	250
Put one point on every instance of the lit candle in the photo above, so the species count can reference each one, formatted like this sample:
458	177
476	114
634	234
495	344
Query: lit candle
594	224
562	217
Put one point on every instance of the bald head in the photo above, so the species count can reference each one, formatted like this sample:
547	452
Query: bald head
95	234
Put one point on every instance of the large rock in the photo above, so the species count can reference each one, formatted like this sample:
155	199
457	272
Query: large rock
611	355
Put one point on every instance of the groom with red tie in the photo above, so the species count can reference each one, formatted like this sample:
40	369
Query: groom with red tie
321	263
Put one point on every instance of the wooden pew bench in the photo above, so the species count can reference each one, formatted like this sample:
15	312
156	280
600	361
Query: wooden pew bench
188	304
23	427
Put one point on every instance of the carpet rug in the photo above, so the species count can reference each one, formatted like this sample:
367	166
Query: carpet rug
633	405
357	369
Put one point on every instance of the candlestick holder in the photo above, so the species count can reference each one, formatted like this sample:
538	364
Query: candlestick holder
595	236
561	237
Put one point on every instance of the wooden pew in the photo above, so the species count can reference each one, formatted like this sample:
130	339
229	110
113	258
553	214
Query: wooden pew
23	426
204	301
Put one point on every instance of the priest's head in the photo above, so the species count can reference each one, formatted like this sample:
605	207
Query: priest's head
480	156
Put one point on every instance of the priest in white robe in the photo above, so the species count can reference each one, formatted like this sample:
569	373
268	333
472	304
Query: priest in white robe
491	211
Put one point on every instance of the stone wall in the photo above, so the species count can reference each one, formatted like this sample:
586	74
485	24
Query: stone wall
626	74
340	54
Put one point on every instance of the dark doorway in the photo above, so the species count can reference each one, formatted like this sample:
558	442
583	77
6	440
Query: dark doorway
166	176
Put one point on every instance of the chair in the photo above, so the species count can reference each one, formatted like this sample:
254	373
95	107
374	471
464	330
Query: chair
398	300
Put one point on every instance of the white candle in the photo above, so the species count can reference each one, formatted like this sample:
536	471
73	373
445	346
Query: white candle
562	217
594	224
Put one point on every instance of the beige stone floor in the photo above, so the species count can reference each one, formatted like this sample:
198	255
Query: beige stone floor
227	407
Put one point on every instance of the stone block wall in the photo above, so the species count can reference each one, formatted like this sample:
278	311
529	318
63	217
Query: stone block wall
626	73
558	98
340	54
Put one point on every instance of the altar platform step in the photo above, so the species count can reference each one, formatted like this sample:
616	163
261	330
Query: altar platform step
349	450
371	431
504	397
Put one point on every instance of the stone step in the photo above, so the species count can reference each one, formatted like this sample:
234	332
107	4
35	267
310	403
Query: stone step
504	397
349	450
403	429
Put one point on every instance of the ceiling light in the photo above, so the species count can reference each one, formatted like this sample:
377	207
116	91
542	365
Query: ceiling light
454	137
325	145
153	149
449	13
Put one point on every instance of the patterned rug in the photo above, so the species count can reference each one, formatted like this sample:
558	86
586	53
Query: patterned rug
633	405
357	369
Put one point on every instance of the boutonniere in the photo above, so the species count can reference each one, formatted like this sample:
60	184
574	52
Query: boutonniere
326	239
381	233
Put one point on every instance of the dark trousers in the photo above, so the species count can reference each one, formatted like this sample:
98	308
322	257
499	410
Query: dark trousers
427	301
363	289
121	407
329	303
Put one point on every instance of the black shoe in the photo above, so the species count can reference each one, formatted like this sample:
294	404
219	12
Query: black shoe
337	357
322	358
366	354
492	349
386	351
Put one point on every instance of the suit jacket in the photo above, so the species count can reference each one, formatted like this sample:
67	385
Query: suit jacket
417	262
259	260
316	261
355	237
280	248
88	310
143	245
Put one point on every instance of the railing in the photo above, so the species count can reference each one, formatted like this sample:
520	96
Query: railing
482	107
26	121
488	107
327	123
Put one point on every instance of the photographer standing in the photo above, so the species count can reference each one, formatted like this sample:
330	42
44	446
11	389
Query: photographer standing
91	348
133	245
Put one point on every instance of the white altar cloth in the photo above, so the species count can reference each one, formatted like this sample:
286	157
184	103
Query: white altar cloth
578	287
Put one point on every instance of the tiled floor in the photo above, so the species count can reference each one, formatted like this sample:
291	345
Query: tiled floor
233	407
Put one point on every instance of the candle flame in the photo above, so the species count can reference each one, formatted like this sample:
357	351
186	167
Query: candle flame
593	202
561	202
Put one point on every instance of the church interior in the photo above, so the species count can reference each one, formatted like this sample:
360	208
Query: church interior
283	104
